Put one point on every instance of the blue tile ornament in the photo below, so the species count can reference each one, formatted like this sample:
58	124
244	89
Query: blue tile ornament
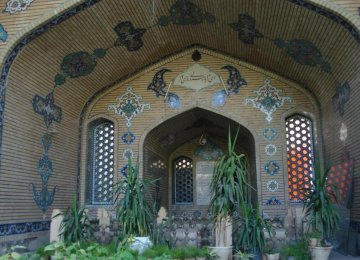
129	36
14	6
341	97
125	170
45	168
270	134
219	98
158	84
46	142
128	138
82	63
129	105
272	185
173	101
43	198
3	34
235	81
246	29
128	154
270	149
209	151
303	52
273	201
272	168
47	109
185	12
268	99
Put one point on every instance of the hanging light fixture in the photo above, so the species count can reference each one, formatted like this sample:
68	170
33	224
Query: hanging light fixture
203	139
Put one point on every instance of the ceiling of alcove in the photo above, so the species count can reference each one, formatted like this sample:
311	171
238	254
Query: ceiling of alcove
113	39
192	124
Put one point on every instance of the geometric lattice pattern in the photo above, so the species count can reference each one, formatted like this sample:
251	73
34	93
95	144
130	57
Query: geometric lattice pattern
183	180
300	155
340	176
103	163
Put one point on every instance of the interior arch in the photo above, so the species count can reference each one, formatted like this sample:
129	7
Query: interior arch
180	136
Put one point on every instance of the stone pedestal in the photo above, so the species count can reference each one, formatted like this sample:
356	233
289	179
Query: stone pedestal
55	225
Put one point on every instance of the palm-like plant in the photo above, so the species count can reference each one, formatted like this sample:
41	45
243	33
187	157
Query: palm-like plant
132	209
318	205
251	237
229	184
75	226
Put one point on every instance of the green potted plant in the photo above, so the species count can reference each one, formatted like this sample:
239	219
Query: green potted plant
320	213
272	253
75	226
133	211
243	255
228	189
314	238
251	230
297	251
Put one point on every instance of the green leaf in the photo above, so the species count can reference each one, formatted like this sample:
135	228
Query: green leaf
15	255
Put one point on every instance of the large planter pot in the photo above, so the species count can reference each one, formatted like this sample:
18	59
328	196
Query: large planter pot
273	256
223	252
320	252
141	244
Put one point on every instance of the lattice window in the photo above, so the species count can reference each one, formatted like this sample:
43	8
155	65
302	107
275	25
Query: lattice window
102	163
183	173
300	154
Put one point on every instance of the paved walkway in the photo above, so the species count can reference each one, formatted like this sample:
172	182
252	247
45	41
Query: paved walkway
336	256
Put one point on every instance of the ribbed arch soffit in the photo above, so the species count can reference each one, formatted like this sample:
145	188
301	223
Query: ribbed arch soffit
70	8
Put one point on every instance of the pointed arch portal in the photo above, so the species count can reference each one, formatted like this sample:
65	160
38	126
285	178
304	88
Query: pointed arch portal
197	137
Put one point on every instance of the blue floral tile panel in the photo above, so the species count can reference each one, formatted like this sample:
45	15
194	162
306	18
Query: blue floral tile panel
185	12
246	29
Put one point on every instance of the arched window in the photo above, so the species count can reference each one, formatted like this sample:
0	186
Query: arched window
300	155
183	180
100	177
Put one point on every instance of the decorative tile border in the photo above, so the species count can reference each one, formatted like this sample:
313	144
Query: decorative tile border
22	228
332	16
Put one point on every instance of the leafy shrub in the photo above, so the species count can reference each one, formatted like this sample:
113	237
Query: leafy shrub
75	226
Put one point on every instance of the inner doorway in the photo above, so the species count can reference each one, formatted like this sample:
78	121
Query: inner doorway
180	153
